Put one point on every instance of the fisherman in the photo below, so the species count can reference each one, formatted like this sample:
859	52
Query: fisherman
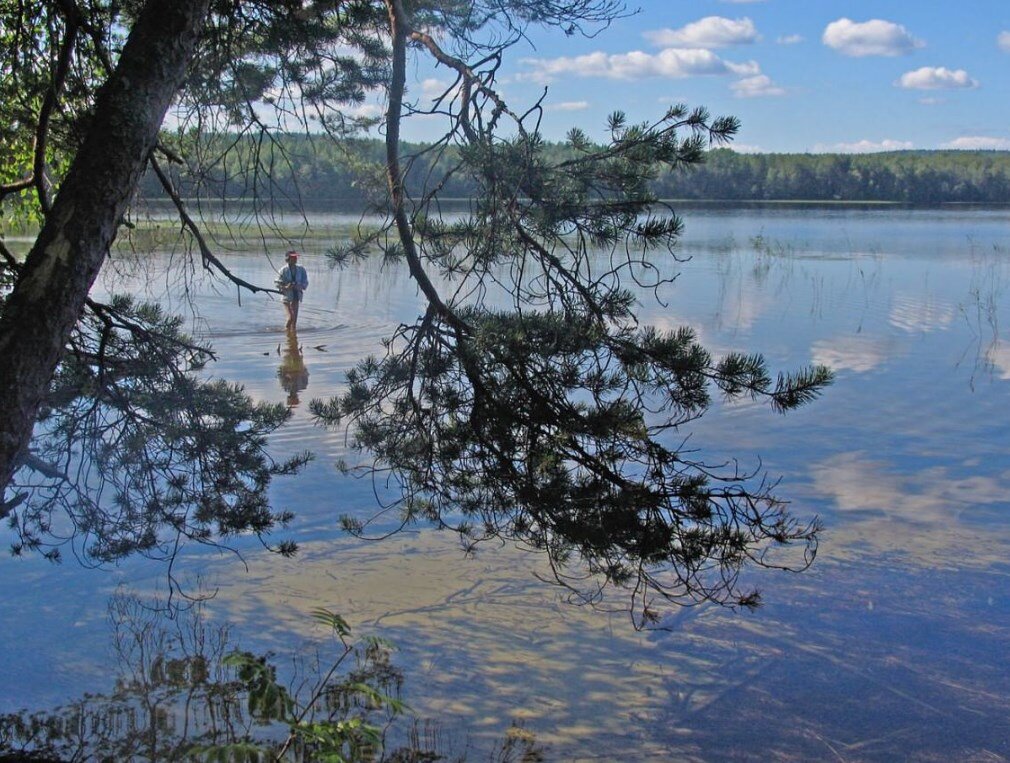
292	280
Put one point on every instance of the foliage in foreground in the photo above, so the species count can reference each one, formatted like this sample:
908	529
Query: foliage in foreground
184	693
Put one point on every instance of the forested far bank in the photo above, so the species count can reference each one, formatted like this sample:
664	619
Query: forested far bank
920	177
315	169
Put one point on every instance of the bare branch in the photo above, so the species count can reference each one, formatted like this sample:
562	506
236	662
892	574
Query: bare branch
210	260
39	176
394	174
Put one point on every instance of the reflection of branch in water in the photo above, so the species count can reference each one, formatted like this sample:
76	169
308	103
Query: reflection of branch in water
293	374
171	692
140	452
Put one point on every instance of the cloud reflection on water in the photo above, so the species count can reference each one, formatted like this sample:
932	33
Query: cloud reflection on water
918	514
854	353
914	313
998	356
484	644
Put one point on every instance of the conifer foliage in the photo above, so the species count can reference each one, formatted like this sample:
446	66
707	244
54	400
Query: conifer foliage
554	421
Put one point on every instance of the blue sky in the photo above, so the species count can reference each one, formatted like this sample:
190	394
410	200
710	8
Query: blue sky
802	75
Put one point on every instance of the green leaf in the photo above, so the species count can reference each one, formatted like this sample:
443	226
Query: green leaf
332	620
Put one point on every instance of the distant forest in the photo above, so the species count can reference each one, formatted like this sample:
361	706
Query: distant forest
321	171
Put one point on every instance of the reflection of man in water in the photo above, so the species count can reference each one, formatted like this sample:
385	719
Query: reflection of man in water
293	374
292	280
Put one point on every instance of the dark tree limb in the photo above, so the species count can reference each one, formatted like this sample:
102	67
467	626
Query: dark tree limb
39	176
50	293
114	318
9	257
78	19
17	186
399	30
210	261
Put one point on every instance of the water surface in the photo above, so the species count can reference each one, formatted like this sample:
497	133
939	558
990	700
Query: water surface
892	646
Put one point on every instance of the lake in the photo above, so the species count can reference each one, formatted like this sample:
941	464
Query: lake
892	646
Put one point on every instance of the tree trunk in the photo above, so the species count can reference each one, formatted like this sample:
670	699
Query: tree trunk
48	298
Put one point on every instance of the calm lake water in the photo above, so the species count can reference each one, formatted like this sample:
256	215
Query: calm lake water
893	646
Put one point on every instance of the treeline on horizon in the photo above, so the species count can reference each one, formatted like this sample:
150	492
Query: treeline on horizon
318	171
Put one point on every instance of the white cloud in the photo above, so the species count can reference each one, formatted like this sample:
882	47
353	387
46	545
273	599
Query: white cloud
882	503
936	78
1003	40
746	148
869	38
365	110
978	143
758	86
741	310
863	147
671	63
790	39
571	106
433	88
709	32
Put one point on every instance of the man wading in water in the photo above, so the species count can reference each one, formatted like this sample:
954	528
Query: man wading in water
292	281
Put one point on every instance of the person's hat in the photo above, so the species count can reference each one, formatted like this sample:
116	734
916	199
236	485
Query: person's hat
291	255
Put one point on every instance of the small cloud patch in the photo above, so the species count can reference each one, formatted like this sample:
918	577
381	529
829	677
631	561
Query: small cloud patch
571	106
978	143
672	63
709	32
937	78
864	147
875	37
758	86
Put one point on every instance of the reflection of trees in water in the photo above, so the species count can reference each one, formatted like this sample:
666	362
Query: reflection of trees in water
293	374
172	691
184	692
139	451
